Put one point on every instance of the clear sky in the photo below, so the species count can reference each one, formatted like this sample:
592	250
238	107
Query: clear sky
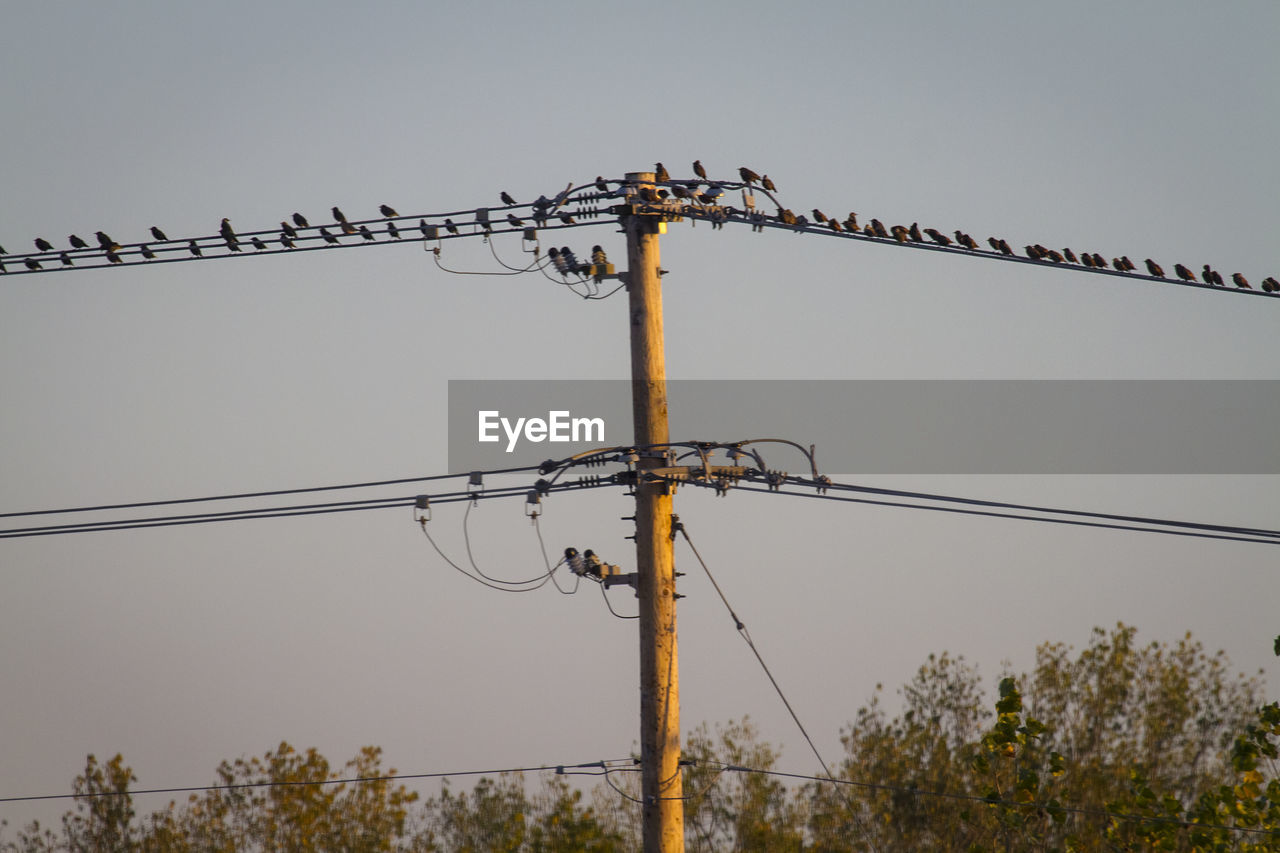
1143	128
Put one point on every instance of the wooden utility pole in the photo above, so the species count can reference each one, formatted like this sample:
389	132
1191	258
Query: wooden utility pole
661	783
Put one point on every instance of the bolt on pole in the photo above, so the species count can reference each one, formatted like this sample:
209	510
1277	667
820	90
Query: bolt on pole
661	783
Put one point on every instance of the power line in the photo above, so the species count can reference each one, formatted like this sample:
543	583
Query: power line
560	769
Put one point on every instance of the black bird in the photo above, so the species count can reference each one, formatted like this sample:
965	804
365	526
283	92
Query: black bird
2	250
601	185
328	238
422	226
567	218
106	242
1207	274
1004	247
233	244
819	215
1054	255
680	192
194	248
1033	253
660	173
258	245
699	170
1070	256
366	233
32	264
114	258
393	230
516	222
147	253
1270	285
449	226
338	215
347	227
767	184
965	240
877	228
226	231
914	233
748	177
300	220
288	229
506	198
387	210
158	234
834	224
66	259
285	240
77	243
938	237
1101	263
1154	269
1118	264
1184	273
43	245
1086	259
851	222
1240	281
993	243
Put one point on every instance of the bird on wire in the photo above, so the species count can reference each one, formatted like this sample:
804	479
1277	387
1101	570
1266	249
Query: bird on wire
1184	273
77	243
32	264
300	220
366	233
285	240
506	198
1240	281
767	184
194	248
1155	269
147	253
258	245
66	259
699	170
106	242
347	227
601	186
158	234
226	230
328	238
393	230
288	229
515	221
748	177
387	210
449	226
43	245
660	173
338	215
114	258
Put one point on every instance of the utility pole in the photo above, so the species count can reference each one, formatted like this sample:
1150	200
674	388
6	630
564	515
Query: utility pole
661	783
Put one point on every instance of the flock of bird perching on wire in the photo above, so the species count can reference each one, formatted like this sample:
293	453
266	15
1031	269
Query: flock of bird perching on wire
697	198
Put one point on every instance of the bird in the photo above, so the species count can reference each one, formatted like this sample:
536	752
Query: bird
993	243
1240	281
601	186
387	210
748	177
1005	248
965	240
288	229
338	215
147	253
851	222
1054	255
1154	269
567	218
105	242
43	245
366	233
767	184
1128	264
449	226
66	259
1183	273
2	249
1270	285
819	215
258	245
834	225
393	230
233	244
194	248
660	173
422	226
506	198
1033	253
1118	264
1070	256
226	231
32	264
77	243
158	234
1207	274
1086	259
938	237
680	192
877	228
347	227
515	221
786	217
1217	278
899	233
699	169
285	240
300	220
114	258
328	238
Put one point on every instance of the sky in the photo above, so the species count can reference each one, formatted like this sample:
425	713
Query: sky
1144	128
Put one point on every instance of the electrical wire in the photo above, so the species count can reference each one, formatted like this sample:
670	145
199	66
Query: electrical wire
466	537
356	780
746	636
607	604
